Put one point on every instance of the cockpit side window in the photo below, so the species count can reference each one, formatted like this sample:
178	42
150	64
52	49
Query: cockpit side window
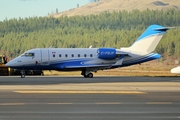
28	54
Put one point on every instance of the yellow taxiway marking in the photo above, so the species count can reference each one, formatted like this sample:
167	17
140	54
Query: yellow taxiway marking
158	103
79	92
66	103
59	103
11	104
112	103
99	103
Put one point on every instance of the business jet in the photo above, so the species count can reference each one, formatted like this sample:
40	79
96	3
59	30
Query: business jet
88	60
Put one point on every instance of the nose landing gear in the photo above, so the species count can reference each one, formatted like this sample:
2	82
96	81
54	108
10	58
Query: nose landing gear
22	74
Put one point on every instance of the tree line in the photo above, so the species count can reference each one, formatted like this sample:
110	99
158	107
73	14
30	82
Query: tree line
117	29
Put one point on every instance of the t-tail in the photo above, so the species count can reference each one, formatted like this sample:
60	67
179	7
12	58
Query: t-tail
148	41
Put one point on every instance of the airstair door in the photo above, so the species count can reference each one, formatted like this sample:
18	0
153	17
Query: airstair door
44	56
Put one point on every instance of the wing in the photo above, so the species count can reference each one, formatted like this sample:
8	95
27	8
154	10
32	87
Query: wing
90	66
118	62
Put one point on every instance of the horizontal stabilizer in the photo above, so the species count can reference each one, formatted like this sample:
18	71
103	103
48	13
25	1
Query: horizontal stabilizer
163	29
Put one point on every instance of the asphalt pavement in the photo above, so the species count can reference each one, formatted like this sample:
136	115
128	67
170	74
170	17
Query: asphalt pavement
99	98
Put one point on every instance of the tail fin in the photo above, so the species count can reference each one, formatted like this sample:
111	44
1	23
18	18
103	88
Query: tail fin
148	41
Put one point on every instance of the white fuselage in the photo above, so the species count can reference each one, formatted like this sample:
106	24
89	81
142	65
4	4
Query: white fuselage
64	59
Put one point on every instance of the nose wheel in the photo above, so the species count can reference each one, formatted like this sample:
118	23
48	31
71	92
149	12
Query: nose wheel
22	74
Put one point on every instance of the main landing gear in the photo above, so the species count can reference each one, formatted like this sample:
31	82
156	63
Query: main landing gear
87	74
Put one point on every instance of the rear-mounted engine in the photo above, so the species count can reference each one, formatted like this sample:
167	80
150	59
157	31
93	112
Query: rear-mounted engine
106	53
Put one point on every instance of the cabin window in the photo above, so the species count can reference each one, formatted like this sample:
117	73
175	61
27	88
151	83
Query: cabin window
91	55
72	55
78	55
59	55
85	55
66	55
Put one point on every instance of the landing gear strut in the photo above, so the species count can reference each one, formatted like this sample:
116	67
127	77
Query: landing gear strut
87	74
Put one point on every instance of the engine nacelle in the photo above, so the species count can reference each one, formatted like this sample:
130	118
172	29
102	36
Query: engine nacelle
106	53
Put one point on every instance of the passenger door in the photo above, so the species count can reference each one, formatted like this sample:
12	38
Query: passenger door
44	56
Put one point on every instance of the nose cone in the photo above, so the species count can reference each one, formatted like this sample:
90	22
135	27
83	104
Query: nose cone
176	70
9	64
12	63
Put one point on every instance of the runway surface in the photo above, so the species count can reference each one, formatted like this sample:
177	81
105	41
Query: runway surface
99	98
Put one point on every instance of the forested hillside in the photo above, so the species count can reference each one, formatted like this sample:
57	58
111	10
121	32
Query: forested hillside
99	6
117	29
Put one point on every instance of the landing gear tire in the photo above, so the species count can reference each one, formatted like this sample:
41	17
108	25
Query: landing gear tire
22	74
87	74
90	75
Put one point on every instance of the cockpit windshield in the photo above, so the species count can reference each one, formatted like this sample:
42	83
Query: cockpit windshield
28	55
